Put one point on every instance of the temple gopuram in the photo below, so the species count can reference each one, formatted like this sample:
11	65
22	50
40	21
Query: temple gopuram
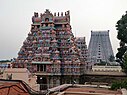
50	51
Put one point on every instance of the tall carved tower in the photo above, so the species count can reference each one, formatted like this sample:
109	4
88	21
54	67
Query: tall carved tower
100	48
50	51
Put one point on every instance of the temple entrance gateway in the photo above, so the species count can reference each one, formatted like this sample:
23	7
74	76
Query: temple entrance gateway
50	50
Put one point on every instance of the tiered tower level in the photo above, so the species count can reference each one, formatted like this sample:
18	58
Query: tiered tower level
81	44
50	50
100	48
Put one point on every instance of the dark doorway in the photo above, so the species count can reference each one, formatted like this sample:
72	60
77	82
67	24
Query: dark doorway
43	82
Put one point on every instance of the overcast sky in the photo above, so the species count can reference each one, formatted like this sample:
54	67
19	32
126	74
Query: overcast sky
86	15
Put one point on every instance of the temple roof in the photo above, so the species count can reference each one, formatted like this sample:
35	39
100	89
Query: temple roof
16	87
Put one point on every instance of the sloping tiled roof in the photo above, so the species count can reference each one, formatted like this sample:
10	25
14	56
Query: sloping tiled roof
69	89
91	91
16	87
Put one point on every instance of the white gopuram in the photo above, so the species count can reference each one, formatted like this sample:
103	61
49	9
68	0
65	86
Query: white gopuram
100	48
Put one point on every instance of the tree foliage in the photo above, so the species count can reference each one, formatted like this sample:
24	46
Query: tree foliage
111	58
119	84
125	62
121	27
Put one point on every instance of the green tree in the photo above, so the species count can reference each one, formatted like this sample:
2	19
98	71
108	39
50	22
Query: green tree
121	27
111	58
115	85
119	84
125	62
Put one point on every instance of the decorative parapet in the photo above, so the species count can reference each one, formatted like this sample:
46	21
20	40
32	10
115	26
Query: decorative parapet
107	68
